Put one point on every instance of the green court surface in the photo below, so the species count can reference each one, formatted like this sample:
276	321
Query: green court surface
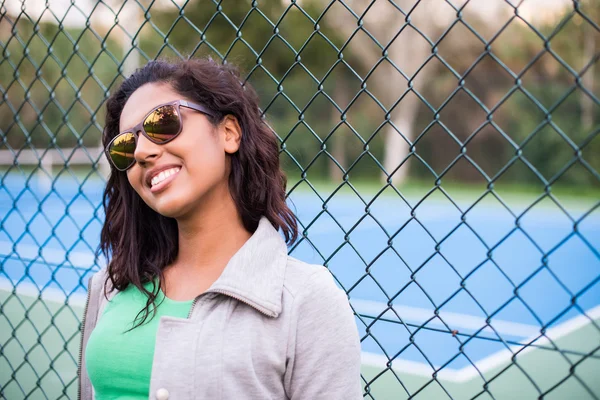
40	346
40	360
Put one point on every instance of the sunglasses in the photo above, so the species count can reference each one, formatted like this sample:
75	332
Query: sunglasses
160	126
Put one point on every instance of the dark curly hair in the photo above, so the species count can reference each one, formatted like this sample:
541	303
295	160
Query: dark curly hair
137	241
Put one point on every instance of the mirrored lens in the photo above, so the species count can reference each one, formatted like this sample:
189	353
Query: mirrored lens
163	124
121	150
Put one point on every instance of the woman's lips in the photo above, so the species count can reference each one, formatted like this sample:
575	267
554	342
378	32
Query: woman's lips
163	185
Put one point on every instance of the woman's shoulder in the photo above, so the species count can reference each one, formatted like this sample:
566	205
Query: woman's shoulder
98	285
323	334
97	281
311	281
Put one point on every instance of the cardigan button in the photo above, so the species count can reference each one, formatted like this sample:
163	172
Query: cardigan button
162	394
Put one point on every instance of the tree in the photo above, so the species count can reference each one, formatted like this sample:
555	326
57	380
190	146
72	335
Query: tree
394	41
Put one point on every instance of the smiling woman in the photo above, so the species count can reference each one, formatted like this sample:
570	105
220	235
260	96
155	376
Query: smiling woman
200	298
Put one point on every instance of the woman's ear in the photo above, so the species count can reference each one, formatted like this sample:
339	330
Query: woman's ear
232	133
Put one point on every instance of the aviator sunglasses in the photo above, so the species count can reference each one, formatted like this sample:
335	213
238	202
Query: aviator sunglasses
160	126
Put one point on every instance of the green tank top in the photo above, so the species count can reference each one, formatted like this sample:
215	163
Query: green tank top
120	364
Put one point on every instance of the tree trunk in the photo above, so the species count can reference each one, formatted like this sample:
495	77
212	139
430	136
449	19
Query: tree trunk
587	104
130	61
397	142
338	139
408	57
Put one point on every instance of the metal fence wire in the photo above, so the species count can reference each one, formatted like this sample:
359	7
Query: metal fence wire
357	91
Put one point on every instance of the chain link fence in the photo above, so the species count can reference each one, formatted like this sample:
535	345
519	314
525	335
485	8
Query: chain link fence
442	159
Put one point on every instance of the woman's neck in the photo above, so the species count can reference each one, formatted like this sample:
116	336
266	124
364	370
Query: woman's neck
207	241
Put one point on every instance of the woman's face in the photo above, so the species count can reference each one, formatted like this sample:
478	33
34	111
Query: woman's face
196	160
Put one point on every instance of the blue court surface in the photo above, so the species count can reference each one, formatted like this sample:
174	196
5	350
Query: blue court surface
462	290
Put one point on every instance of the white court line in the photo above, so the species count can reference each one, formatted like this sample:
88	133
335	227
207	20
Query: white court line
417	315
464	374
79	259
410	314
489	363
49	294
453	320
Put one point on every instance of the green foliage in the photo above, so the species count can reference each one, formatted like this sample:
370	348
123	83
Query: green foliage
520	114
55	81
521	118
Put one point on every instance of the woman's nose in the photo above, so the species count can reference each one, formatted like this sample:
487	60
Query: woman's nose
145	150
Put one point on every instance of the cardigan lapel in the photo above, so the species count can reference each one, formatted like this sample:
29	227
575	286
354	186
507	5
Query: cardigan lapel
256	271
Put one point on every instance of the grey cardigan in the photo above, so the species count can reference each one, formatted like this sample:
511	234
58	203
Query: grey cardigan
270	327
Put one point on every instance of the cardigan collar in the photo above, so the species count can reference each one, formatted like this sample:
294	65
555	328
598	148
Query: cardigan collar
255	273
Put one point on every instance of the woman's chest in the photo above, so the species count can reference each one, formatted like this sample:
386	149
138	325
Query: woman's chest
120	349
226	349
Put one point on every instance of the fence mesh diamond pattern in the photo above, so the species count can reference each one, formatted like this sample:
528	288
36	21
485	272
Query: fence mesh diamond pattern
442	158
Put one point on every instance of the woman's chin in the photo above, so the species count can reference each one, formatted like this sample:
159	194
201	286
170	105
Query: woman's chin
168	207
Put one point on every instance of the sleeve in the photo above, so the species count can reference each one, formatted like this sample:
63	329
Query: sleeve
323	344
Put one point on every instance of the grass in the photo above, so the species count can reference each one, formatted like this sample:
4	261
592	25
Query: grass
413	188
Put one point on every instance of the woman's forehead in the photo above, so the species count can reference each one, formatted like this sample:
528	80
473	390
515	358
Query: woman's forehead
144	99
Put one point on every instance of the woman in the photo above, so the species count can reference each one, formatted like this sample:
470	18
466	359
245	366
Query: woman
200	299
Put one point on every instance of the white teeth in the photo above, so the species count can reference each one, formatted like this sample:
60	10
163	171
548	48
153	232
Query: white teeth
164	175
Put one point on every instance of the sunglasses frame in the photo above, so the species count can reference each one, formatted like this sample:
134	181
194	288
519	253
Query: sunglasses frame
140	127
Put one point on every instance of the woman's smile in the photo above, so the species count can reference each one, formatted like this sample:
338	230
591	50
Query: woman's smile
162	180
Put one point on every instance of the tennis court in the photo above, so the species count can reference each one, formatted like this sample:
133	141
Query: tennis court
446	292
